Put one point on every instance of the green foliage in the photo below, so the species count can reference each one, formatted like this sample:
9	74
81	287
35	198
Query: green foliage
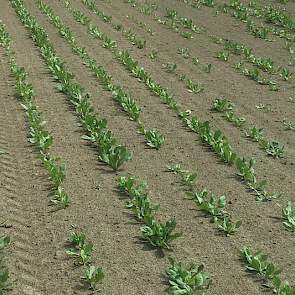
226	225
213	206
170	67
140	203
154	138
231	117
142	207
256	134
153	54
184	52
222	105
223	55
188	178
160	234
289	125
93	276
258	262
81	248
38	133
194	87
187	280
274	149
289	217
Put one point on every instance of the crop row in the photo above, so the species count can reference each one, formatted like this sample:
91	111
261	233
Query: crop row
269	14
211	205
81	249
156	233
109	151
154	138
226	107
267	272
127	33
192	86
246	168
215	139
172	18
38	133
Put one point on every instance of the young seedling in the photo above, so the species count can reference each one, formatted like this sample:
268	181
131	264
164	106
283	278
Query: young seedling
128	185
194	87
160	234
223	55
142	207
222	105
226	225
289	217
153	55
61	199
170	67
114	155
274	149
256	134
231	117
289	125
187	280
93	276
282	287
81	249
213	206
188	178
195	60
257	262
184	52
286	74
154	138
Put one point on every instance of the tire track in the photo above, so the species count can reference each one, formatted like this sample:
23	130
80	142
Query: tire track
13	179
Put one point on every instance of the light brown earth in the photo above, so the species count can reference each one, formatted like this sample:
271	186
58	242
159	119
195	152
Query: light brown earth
36	256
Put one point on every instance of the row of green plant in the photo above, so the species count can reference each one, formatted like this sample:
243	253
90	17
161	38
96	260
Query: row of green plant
192	86
154	138
80	249
270	14
226	107
253	74
261	64
173	21
109	151
128	34
158	234
215	139
269	274
210	204
5	282
39	135
266	64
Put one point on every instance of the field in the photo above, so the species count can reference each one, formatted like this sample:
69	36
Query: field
147	147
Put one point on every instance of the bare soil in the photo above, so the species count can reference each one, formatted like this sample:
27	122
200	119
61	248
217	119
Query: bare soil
36	257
